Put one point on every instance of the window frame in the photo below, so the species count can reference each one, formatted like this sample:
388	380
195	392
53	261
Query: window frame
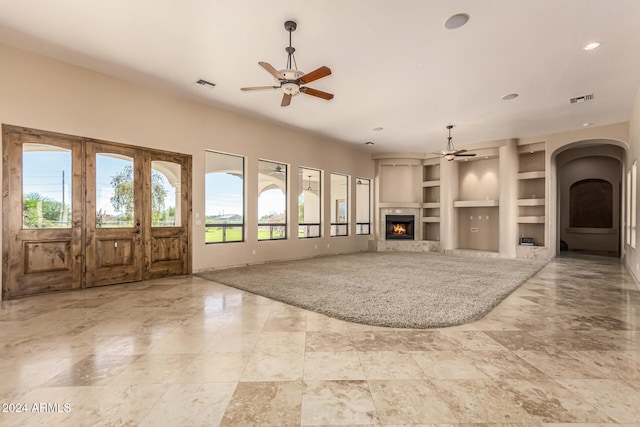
226	226
634	200
360	225
271	225
307	225
335	225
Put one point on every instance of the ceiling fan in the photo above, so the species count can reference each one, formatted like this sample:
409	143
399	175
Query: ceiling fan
451	153
277	170
291	80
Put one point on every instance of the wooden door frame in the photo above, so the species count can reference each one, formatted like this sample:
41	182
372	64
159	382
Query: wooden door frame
10	213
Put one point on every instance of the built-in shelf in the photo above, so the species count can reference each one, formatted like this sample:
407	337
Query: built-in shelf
531	175
430	219
532	198
430	212
400	205
530	202
475	203
531	219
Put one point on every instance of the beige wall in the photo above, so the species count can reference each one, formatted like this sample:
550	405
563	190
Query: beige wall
42	93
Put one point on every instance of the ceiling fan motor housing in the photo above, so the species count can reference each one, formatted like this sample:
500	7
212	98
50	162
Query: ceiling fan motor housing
290	86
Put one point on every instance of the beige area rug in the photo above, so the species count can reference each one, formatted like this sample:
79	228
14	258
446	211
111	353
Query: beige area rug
394	289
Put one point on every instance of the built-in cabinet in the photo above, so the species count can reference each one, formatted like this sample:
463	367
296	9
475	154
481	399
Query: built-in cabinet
430	217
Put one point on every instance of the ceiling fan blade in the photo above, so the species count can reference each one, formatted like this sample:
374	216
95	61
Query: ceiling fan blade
316	92
259	88
465	155
314	75
286	100
275	73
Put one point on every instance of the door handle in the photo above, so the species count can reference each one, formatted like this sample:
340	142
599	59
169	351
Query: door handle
136	232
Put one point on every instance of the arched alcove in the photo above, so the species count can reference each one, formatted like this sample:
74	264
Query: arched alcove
588	183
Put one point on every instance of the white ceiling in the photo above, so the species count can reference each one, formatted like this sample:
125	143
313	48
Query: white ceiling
394	64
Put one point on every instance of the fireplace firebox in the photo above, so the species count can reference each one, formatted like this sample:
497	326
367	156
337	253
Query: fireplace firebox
399	227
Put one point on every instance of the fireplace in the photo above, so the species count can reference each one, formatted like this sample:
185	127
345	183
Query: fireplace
399	227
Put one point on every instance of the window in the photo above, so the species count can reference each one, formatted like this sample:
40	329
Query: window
634	200
272	200
363	206
309	203
339	205
165	194
224	197
46	186
628	208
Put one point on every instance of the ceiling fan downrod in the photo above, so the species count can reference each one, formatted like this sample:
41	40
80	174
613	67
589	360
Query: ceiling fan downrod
290	26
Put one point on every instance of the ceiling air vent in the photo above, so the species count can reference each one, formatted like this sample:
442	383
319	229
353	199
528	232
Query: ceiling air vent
579	99
205	83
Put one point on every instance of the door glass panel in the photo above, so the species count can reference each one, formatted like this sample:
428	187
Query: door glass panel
46	186
114	191
165	194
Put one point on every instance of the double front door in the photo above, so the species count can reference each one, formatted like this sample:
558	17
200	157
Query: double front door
79	212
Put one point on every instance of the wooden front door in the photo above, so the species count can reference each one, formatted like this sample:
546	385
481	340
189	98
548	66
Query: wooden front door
115	214
166	234
110	213
42	212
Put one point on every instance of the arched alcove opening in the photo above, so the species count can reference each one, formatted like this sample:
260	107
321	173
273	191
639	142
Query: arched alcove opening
589	203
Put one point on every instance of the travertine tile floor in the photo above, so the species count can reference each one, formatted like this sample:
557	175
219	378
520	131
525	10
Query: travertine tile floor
564	348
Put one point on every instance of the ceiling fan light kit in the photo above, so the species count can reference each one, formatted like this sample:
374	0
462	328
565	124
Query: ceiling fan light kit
291	79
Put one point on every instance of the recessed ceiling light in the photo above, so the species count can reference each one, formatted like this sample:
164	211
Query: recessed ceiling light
591	46
368	143
509	96
456	21
587	124
378	129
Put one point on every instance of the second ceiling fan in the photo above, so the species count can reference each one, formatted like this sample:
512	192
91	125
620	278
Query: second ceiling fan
451	153
292	81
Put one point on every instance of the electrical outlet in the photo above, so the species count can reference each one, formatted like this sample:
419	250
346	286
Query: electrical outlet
316	247
253	252
328	244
